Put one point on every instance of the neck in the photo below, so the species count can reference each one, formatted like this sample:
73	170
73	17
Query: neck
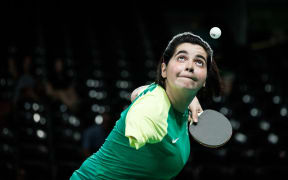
180	99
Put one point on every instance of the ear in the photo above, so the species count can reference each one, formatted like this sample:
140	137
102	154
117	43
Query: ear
163	70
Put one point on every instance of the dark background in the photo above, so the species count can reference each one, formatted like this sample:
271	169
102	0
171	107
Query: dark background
48	117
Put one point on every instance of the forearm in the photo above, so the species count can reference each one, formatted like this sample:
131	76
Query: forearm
195	108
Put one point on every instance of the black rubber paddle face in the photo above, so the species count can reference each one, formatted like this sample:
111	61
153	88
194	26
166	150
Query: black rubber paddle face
212	130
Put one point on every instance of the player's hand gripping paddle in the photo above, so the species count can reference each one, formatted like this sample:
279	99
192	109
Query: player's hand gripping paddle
212	130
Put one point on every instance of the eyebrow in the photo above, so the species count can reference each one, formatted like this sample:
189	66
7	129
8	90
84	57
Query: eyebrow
185	52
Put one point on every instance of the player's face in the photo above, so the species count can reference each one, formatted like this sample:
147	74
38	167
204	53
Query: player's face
187	68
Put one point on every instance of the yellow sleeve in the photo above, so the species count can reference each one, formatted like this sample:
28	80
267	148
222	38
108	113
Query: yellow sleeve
146	121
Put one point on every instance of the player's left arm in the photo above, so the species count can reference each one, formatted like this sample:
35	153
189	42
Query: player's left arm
194	108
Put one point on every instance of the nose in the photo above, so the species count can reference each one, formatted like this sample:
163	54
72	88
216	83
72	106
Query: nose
189	66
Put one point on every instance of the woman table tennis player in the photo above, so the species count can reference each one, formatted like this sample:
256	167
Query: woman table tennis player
151	139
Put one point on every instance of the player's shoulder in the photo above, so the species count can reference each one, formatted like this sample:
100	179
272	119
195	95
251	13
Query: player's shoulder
153	105
153	97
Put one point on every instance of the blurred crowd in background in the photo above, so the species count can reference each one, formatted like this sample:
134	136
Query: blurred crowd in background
66	76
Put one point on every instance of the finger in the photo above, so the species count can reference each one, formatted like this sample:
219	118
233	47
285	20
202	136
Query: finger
200	110
199	113
190	119
195	116
189	115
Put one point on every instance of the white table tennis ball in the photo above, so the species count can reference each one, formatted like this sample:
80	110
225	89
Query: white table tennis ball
215	32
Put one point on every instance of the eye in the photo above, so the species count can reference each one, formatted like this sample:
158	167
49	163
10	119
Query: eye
199	63
181	58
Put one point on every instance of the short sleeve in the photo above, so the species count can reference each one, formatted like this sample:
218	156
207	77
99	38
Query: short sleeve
146	122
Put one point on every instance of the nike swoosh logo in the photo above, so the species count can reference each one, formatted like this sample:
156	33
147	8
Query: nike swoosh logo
174	140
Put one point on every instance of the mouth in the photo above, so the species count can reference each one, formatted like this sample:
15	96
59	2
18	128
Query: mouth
189	77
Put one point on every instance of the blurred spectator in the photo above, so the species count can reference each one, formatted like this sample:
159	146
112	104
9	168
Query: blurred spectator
60	86
26	83
12	68
228	78
8	75
275	37
94	136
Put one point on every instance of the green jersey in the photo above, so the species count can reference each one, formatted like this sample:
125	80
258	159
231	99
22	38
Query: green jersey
149	141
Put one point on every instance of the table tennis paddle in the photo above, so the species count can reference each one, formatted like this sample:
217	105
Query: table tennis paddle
212	130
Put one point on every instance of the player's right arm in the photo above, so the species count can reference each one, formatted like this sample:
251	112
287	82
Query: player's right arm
145	121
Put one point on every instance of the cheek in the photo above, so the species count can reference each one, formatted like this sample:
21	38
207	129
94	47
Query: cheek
174	70
202	74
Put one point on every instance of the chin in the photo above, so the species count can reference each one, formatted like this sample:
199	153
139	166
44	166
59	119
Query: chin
188	85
